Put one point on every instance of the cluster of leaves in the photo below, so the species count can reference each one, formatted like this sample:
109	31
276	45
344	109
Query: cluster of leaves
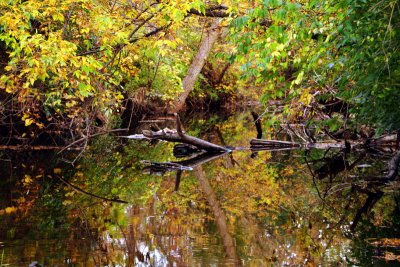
45	42
347	49
69	58
370	44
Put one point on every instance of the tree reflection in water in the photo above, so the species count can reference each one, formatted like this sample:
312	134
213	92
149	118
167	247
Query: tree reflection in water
234	210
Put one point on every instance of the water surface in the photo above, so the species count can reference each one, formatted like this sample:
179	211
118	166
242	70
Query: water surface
239	209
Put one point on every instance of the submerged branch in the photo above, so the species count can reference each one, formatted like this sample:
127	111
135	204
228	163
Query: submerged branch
90	194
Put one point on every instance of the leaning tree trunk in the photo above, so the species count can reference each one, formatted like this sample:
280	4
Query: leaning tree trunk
197	64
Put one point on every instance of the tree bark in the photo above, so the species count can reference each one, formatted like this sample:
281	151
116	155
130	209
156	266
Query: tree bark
197	64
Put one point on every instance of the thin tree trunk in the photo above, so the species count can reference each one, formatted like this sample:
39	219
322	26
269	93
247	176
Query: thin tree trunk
197	64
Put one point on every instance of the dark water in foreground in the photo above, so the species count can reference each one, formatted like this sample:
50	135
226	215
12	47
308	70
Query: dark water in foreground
238	209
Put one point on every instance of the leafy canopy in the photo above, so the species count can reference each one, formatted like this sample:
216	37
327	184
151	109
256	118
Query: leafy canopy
297	50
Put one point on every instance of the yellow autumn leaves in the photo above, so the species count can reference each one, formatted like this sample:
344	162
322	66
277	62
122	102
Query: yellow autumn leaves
63	53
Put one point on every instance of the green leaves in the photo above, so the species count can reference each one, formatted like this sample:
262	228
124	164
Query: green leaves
349	46
85	90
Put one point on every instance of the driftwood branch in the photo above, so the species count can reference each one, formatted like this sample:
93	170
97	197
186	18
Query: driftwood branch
262	144
174	136
180	137
201	159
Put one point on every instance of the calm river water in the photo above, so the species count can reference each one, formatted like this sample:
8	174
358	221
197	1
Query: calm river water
286	208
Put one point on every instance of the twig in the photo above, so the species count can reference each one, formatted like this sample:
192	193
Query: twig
90	194
93	135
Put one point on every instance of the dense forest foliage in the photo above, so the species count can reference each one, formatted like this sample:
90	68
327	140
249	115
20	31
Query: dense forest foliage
71	66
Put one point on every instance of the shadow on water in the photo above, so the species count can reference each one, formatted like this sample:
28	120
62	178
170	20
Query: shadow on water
187	208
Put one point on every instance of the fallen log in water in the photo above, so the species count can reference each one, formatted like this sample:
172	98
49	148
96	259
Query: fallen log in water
174	136
262	144
272	143
180	137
